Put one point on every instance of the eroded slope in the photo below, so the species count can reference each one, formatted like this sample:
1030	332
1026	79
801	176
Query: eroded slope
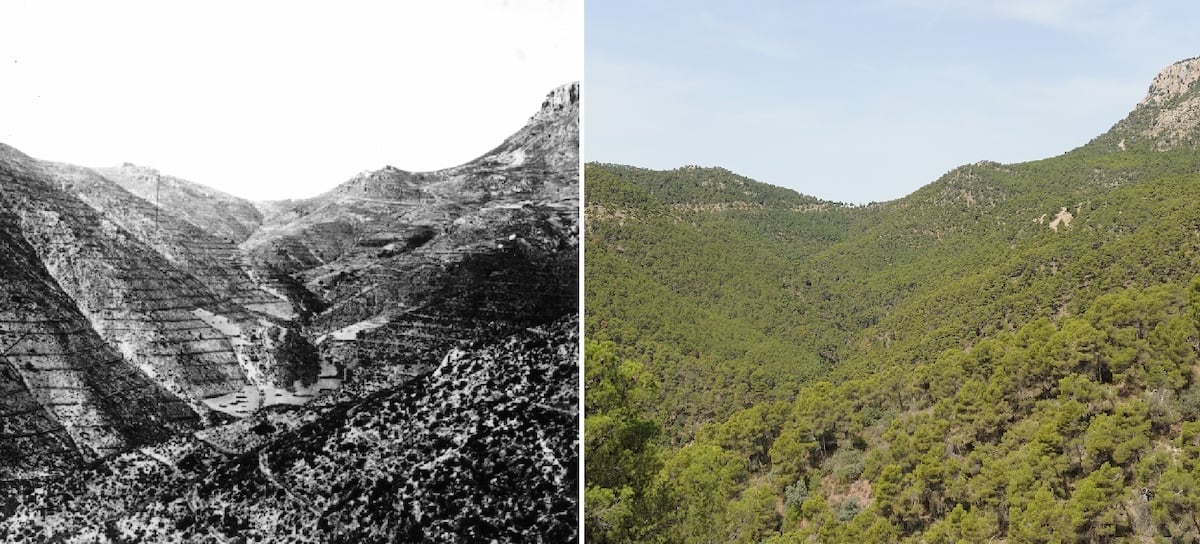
220	214
67	396
164	320
484	447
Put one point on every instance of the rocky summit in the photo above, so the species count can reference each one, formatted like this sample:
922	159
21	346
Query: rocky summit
393	358
1167	118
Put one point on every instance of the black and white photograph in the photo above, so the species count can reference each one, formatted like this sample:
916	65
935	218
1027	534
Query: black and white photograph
290	271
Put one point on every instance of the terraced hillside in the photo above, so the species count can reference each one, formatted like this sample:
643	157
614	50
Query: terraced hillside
482	448
161	316
390	359
213	260
406	265
220	214
68	396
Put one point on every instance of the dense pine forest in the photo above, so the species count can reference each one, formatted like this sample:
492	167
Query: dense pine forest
1010	353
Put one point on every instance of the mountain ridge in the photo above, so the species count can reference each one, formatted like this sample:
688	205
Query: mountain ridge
214	211
429	341
973	354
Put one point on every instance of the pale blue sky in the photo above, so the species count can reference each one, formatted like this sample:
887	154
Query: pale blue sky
861	101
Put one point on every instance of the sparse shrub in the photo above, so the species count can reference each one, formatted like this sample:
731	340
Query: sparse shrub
846	463
1189	402
263	428
795	494
849	509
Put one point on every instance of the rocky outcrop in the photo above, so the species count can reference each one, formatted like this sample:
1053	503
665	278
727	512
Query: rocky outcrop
1174	81
220	214
1167	118
539	161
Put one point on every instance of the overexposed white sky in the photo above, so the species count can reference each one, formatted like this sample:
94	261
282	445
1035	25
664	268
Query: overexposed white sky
275	99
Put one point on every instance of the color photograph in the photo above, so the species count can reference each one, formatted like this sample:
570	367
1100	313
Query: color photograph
891	271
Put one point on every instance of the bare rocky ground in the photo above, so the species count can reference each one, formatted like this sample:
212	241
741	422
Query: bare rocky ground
481	448
396	357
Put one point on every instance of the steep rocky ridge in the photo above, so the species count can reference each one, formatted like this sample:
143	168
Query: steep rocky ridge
218	213
535	164
539	160
1172	82
407	263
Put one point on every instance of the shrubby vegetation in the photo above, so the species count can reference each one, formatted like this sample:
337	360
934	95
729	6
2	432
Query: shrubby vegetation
483	448
763	366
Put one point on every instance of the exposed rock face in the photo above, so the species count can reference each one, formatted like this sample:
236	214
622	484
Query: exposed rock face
1175	125
1173	81
221	214
433	259
1167	118
541	160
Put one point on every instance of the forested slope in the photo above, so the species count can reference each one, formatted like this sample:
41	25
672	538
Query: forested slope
1009	352
688	276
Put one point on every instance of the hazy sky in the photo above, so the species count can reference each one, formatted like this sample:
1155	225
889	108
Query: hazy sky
275	99
866	100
